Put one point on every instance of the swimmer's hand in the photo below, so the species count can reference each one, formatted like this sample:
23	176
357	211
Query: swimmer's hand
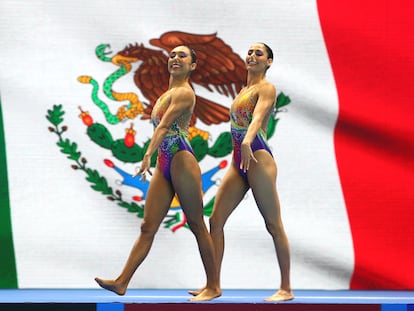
246	156
145	167
143	174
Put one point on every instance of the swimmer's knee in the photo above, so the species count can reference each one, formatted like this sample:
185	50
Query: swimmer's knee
148	229
196	226
273	228
216	224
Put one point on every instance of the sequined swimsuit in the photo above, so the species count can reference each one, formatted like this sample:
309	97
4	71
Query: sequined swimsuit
241	114
176	138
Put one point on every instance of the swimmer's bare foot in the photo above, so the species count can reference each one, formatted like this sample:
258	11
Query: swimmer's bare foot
207	294
281	295
196	292
112	286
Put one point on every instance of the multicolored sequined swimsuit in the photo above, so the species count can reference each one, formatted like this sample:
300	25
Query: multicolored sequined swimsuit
241	114
176	138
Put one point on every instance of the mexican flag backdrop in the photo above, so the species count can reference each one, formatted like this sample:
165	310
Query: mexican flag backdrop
78	78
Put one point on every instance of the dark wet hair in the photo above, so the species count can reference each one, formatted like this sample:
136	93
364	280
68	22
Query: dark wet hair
193	54
268	50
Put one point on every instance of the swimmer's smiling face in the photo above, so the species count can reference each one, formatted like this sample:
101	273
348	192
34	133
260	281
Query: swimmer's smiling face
180	60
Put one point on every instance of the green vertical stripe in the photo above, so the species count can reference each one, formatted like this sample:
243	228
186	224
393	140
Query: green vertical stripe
8	274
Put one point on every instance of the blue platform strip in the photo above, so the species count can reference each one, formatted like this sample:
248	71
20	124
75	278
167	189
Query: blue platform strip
115	307
101	300
401	307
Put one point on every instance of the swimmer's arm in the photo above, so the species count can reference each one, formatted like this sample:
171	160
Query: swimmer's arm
182	100
265	101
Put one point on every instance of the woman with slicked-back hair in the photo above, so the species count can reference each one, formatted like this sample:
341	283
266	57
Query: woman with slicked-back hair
177	172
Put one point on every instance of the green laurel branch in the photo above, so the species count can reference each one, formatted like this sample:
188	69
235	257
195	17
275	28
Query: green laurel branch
98	182
69	148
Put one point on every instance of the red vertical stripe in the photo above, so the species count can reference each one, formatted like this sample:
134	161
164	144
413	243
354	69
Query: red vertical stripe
371	49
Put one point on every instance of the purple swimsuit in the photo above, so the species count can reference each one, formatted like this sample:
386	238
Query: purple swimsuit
176	138
241	114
